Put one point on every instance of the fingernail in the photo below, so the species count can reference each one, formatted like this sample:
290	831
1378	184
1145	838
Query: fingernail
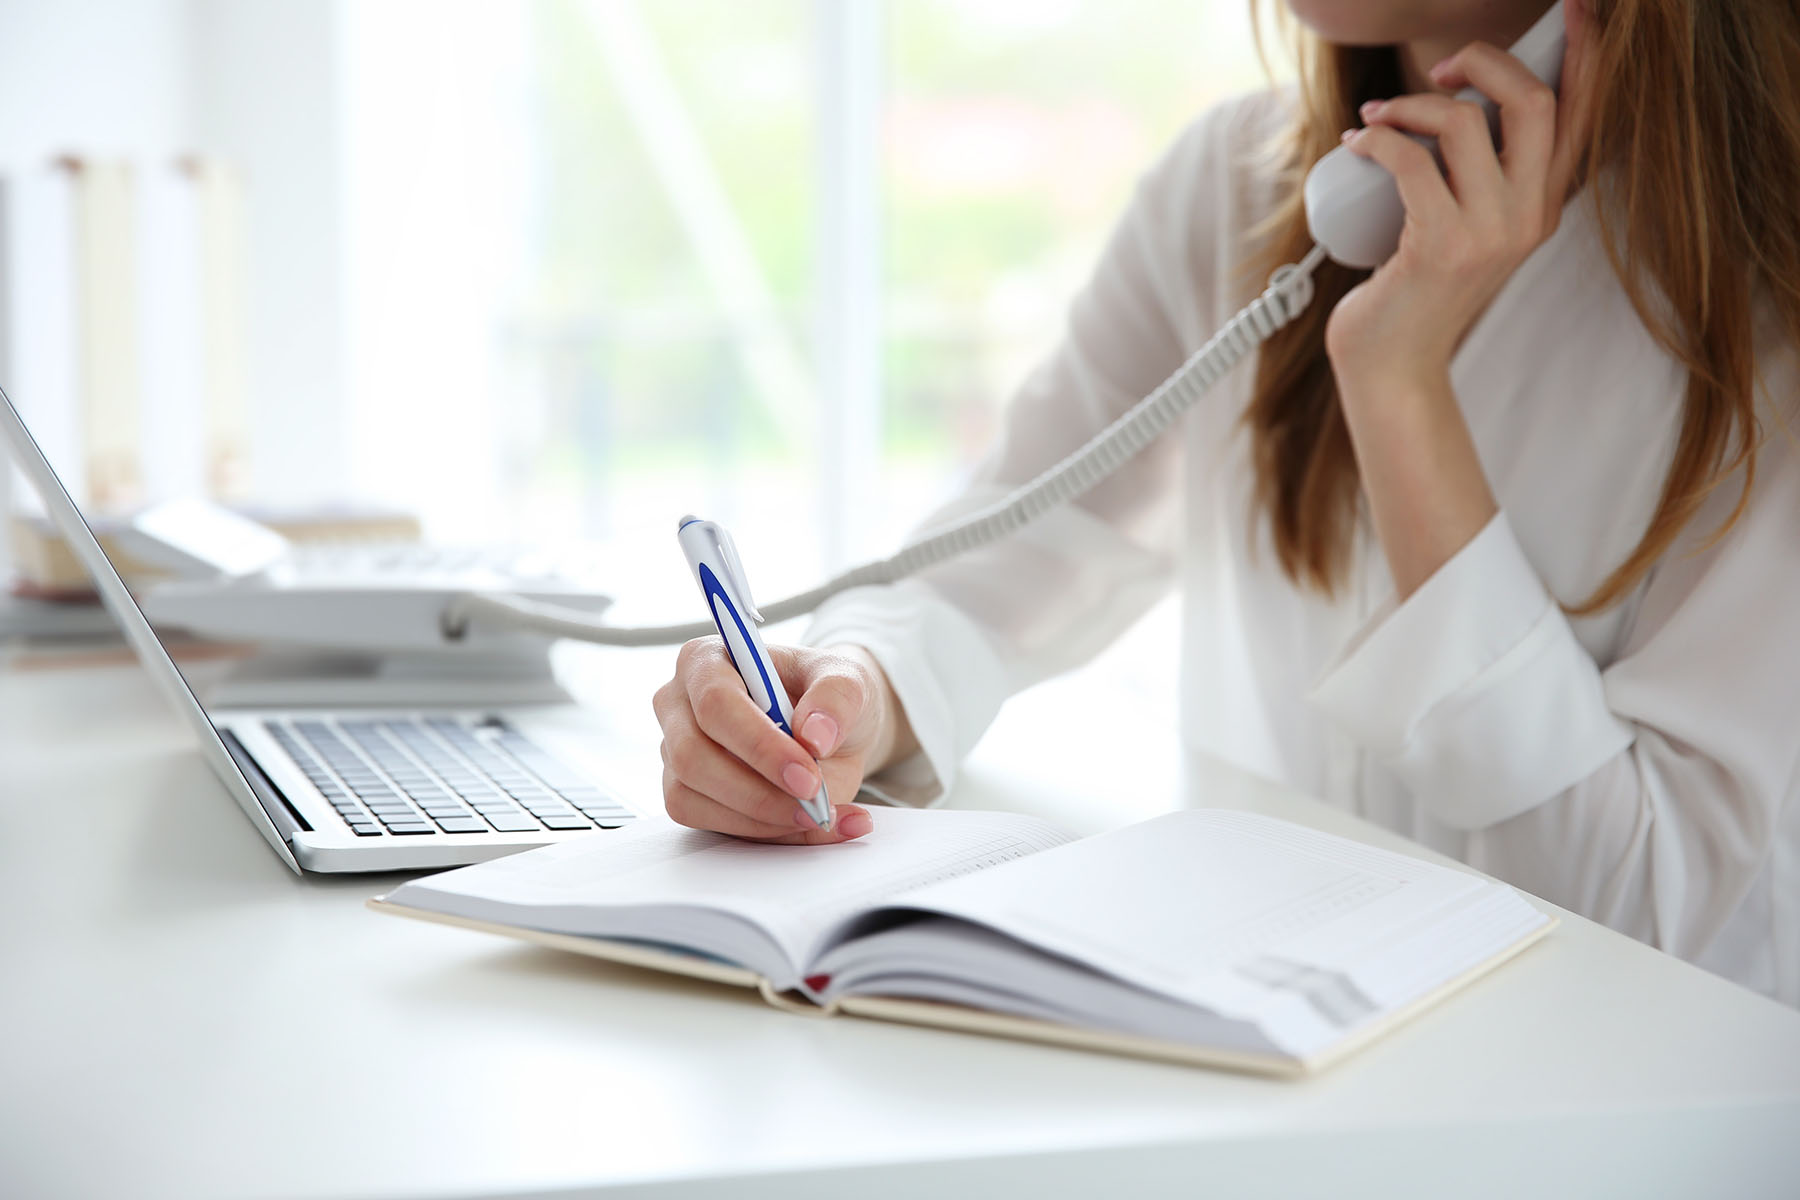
1348	134
799	781
1439	65
854	824
1370	108
803	819
820	733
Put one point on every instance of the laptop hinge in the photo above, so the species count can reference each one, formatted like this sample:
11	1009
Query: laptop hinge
286	819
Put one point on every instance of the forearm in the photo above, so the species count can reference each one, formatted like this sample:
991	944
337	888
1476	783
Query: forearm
1426	490
1472	217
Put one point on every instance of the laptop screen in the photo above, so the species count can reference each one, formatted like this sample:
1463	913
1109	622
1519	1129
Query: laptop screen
68	521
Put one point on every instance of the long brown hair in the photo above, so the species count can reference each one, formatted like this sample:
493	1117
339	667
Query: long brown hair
1696	116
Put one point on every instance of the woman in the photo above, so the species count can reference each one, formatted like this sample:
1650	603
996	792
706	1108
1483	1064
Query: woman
1496	546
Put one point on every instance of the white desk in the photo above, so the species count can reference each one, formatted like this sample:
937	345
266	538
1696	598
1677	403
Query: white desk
183	1017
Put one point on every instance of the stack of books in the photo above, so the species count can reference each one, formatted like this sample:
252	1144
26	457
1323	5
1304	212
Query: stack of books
51	596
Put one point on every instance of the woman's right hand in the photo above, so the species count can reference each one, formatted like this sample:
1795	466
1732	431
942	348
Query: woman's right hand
726	767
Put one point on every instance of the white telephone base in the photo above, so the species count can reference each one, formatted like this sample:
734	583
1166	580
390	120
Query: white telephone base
307	679
366	613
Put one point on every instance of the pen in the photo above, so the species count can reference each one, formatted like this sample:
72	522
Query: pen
713	557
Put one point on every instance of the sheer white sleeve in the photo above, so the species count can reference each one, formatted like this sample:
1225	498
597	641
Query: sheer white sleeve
958	639
1647	795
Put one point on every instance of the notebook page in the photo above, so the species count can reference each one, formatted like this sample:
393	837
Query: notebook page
1216	908
793	893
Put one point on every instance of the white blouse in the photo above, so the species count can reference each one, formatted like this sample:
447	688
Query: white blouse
1637	766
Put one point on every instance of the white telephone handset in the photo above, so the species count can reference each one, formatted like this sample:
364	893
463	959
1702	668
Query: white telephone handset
1354	212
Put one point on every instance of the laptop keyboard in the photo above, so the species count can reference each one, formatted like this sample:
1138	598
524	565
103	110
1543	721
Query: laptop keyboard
407	776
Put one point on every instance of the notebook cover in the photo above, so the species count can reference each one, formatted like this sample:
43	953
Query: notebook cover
636	954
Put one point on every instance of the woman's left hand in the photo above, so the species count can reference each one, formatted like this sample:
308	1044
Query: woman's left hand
1467	228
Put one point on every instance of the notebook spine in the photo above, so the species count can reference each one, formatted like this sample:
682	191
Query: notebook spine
794	1001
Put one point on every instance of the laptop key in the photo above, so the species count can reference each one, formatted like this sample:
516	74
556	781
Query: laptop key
607	814
462	824
421	827
519	823
571	821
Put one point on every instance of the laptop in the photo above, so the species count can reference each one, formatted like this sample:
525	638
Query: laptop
360	789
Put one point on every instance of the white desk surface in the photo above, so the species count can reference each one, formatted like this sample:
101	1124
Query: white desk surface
183	1017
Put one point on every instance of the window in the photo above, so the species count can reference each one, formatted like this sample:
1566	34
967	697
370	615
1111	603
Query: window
780	261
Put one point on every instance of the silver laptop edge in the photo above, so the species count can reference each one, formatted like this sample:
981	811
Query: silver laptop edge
265	809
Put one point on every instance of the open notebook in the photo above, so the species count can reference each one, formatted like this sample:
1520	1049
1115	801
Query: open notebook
1206	936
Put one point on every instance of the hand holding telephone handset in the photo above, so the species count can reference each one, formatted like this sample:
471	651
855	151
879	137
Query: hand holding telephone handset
1353	206
1354	211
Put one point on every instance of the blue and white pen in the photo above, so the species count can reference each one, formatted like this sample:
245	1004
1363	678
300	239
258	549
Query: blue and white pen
713	558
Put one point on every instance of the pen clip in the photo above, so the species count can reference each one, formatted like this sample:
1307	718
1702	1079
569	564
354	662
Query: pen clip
734	567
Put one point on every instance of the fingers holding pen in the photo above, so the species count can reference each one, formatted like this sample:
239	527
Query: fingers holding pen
696	810
726	766
706	788
830	713
723	711
730	706
696	761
